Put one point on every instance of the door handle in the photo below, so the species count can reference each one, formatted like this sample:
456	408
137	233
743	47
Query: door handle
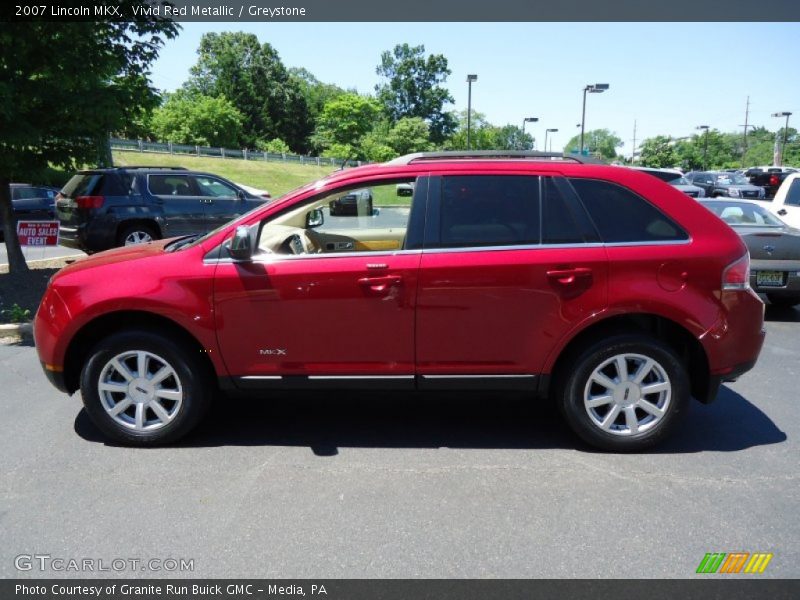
569	276
782	212
380	284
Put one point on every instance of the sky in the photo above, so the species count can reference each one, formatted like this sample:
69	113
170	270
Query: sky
667	77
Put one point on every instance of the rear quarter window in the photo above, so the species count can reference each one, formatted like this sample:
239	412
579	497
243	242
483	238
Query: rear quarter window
82	184
621	216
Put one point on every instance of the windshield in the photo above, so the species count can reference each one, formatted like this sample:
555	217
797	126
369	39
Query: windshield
744	214
732	179
680	181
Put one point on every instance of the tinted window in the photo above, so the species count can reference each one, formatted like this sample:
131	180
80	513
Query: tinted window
169	185
622	216
560	217
664	175
81	185
793	195
484	210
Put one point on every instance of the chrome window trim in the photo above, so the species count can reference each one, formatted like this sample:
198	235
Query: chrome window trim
262	377
346	377
497	376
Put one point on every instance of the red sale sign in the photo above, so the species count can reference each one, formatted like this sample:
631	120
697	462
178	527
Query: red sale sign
37	233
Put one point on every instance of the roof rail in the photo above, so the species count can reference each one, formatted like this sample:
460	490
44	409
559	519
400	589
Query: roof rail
489	155
155	168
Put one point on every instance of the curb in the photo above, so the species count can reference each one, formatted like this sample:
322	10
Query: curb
20	329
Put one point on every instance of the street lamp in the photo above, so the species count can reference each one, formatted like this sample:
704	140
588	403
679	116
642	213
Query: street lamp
546	131
705	147
785	131
528	120
470	79
597	88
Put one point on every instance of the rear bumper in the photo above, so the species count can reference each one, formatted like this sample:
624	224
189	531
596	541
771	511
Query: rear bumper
791	276
88	237
715	381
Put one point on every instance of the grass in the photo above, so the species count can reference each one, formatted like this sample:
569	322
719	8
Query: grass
275	177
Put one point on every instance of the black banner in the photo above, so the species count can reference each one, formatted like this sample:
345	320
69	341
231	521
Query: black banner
407	10
722	588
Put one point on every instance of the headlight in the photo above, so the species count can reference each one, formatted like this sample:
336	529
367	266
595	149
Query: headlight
733	193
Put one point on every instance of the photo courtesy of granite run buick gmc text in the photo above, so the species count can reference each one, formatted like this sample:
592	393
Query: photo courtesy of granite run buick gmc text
598	287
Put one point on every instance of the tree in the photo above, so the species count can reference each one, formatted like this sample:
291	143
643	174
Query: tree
63	87
276	146
658	152
252	76
343	123
409	134
485	136
599	142
721	151
316	93
198	120
413	88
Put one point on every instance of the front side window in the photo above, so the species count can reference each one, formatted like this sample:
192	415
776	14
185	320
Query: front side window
373	218
622	216
489	210
214	188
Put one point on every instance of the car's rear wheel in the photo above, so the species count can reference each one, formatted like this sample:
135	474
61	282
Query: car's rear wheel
624	393
783	301
136	234
144	389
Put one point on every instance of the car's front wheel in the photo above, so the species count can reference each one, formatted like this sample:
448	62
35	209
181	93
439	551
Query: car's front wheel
624	393
144	389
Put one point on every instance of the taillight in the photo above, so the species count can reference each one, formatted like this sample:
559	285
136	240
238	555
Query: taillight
736	275
89	201
773	180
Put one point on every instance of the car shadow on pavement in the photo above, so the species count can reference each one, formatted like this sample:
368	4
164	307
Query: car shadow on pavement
781	314
325	422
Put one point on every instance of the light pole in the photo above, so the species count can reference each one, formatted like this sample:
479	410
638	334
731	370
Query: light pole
785	131
470	79
546	131
705	147
597	88
527	120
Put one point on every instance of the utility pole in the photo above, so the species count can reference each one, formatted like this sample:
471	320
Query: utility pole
746	116
633	149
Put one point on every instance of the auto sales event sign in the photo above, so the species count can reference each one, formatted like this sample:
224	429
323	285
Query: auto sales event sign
37	233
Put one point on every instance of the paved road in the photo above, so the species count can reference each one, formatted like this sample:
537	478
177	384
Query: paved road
43	253
398	486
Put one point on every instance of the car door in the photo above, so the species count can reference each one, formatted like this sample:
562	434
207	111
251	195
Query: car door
501	278
221	202
181	206
335	317
787	206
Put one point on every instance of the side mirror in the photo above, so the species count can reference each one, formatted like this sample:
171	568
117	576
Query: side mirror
241	247
315	218
241	195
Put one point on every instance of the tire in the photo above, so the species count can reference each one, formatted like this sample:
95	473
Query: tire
783	301
631	427
136	234
182	394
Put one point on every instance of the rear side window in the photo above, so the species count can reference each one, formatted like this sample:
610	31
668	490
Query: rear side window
622	216
169	185
793	195
563	218
489	210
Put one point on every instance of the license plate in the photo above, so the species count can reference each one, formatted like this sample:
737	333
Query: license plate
769	278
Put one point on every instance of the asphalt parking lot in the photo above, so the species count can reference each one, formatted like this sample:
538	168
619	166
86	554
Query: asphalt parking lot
405	486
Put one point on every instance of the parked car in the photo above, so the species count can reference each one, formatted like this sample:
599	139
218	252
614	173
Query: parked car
355	203
31	202
720	183
602	288
770	178
676	179
105	208
786	203
774	248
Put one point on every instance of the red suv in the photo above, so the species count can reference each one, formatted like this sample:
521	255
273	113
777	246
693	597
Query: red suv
600	287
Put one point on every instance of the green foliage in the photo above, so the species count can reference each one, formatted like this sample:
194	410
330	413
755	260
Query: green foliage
276	146
344	121
17	314
658	152
413	88
63	87
198	120
316	93
485	136
252	76
409	134
599	142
